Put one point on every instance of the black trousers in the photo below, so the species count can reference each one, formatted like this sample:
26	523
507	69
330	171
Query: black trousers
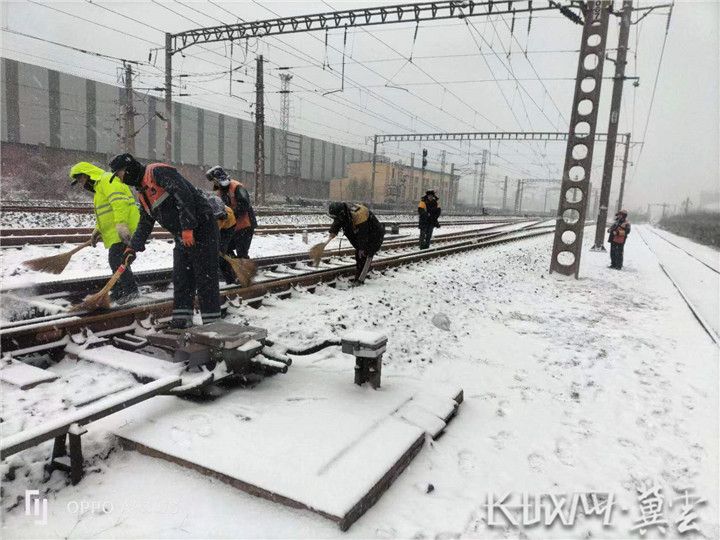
426	232
227	246
616	255
195	271
127	283
243	239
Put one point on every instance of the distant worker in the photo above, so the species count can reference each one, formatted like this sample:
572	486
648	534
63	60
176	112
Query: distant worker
117	217
181	208
234	195
363	231
428	212
619	232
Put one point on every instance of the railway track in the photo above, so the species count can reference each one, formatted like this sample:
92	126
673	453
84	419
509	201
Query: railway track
277	276
696	311
14	238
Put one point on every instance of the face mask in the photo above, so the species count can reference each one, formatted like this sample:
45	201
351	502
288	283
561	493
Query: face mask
89	186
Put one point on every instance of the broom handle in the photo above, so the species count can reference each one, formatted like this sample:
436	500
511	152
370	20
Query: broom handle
81	246
113	280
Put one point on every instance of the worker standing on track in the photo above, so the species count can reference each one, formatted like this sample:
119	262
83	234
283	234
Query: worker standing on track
618	233
168	198
226	224
117	218
428	213
363	231
234	195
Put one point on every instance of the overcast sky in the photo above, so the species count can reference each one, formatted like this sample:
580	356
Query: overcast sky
470	75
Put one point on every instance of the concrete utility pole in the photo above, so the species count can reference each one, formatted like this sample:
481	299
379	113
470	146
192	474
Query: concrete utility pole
259	134
372	174
451	196
624	172
285	126
505	185
475	183
168	97
615	104
481	187
128	112
518	196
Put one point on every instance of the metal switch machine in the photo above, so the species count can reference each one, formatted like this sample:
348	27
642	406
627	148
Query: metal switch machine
367	347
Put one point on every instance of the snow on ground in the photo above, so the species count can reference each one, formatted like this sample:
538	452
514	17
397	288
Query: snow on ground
19	220
158	254
699	283
592	385
707	254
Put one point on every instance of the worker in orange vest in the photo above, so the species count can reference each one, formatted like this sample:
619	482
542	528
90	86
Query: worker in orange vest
234	195
618	233
168	198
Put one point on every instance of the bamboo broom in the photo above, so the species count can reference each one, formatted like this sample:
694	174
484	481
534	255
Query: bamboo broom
101	299
54	264
244	269
316	252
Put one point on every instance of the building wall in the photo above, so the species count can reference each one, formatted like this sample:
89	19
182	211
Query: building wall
43	107
357	183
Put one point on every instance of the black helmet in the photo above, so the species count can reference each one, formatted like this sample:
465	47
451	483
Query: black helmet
130	164
336	210
430	192
218	175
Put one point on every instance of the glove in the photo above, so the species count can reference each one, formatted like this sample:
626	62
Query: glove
94	237
129	256
124	232
188	238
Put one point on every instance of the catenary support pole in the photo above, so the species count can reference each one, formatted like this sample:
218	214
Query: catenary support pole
624	172
168	98
373	172
128	112
615	107
572	204
259	134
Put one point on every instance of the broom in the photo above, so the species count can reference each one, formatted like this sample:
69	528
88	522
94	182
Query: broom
56	263
101	299
316	252
244	269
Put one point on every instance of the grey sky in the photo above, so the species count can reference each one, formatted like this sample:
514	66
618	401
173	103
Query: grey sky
385	93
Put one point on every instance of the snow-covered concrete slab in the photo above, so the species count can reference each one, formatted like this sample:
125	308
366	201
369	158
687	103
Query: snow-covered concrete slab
311	440
23	375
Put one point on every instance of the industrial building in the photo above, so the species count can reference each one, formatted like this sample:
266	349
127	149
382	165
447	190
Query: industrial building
395	183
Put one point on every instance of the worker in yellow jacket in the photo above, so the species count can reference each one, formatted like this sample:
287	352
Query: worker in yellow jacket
117	218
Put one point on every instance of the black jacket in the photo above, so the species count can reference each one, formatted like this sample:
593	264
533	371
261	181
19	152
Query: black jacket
361	228
429	211
184	209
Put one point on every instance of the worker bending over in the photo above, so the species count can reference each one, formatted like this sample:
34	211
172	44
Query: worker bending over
117	217
234	195
168	198
362	229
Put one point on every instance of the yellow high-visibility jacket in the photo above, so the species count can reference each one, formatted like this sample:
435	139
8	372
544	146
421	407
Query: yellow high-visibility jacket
114	203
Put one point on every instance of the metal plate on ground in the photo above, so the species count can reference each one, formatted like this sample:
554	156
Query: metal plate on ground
310	440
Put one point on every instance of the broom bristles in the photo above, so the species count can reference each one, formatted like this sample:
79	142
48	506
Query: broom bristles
316	252
244	269
52	265
93	302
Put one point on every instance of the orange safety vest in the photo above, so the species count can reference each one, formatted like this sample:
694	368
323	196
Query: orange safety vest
151	195
619	234
243	221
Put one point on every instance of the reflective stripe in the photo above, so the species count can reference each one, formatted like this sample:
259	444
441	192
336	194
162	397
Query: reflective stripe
114	196
182	311
106	205
216	314
98	214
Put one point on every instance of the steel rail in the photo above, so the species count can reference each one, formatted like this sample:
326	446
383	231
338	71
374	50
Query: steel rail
52	334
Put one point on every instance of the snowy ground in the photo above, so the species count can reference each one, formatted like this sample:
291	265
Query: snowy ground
158	254
594	385
19	220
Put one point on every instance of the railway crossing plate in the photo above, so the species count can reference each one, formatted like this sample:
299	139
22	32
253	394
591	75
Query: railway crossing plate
311	439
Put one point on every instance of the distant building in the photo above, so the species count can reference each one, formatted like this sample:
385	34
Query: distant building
395	183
